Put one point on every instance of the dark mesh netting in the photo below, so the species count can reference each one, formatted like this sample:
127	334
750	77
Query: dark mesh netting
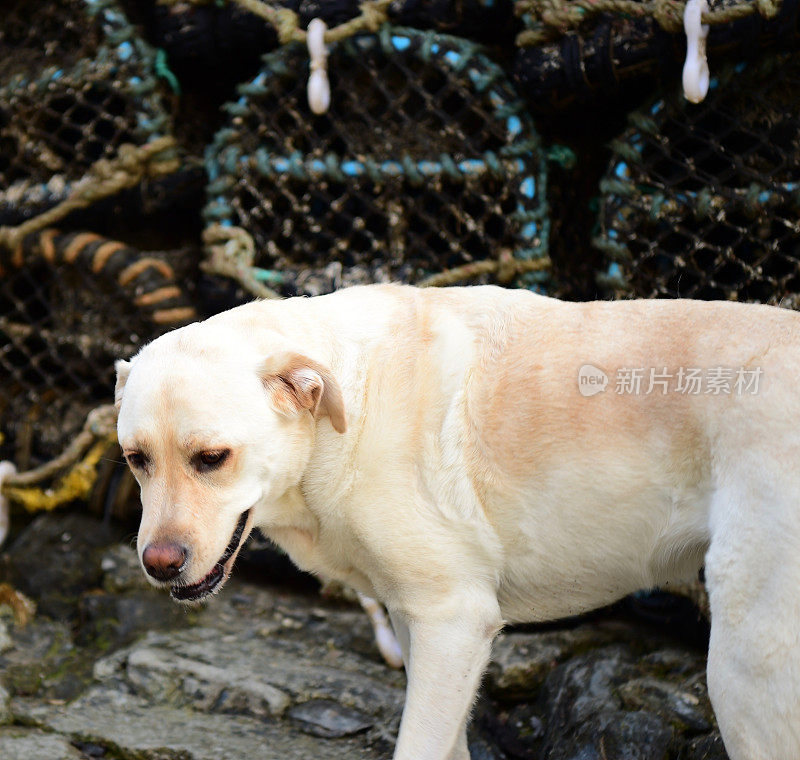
547	20
425	162
573	50
206	35
69	306
704	201
36	34
75	84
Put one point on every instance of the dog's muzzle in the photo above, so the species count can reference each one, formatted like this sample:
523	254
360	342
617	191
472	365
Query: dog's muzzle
218	573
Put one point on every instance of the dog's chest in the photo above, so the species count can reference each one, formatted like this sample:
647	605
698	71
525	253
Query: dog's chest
323	556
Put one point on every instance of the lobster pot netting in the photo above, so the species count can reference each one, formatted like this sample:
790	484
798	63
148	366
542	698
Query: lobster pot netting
548	20
704	201
570	50
202	36
69	306
426	161
76	83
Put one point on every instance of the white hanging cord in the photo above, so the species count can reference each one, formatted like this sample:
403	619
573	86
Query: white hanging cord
695	70
319	88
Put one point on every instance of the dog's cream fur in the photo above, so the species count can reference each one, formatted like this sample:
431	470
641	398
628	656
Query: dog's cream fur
431	449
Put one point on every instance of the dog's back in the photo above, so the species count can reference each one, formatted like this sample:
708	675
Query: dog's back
509	456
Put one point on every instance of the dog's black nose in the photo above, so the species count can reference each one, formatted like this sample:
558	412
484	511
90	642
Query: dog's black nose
163	560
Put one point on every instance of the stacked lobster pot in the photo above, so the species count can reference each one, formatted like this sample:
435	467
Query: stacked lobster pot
703	201
418	160
572	51
424	168
81	118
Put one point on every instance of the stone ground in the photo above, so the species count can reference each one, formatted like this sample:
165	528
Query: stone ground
109	668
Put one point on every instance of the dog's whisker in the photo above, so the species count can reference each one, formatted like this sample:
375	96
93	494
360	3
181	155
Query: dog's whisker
112	459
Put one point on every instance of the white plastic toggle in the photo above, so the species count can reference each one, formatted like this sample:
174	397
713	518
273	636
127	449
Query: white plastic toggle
6	468
695	70
319	89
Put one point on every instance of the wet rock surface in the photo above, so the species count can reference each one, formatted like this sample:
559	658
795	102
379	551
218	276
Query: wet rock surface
110	668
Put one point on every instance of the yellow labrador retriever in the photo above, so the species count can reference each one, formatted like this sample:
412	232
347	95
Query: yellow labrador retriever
475	456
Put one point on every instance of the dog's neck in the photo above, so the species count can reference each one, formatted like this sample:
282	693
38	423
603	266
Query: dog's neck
291	512
295	528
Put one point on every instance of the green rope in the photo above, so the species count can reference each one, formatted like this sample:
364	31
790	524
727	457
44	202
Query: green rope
657	204
624	150
617	251
610	186
643	123
330	167
562	156
231	252
550	18
705	203
163	70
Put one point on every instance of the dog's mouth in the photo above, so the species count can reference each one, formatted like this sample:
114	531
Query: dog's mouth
221	570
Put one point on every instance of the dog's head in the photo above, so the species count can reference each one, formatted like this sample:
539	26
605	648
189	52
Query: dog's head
215	432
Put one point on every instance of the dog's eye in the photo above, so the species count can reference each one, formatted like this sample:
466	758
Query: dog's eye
210	460
136	460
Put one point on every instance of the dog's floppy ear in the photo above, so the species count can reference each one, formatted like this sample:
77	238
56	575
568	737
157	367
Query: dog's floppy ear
123	369
298	383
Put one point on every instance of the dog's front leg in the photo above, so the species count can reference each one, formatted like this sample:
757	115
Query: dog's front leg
449	649
461	751
753	573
